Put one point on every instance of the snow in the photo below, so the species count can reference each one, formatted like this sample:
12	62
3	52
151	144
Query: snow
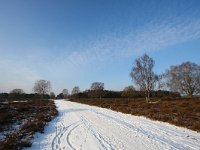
80	126
20	101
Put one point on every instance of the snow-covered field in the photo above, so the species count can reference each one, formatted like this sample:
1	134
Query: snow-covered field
86	127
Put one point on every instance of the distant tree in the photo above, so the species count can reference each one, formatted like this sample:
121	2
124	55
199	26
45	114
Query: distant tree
142	74
17	91
128	91
129	88
112	94
96	89
75	90
3	96
16	94
42	87
84	94
65	93
52	95
97	86
184	78
60	96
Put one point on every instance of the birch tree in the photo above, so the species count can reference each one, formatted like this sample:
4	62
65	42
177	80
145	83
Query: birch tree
184	78
42	87
143	75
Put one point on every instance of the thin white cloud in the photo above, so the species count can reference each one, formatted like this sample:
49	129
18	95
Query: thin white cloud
70	65
159	36
149	38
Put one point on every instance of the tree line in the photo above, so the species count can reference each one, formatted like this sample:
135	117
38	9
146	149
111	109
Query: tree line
97	91
183	79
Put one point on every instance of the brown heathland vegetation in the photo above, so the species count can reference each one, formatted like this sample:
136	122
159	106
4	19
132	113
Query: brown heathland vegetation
184	112
20	120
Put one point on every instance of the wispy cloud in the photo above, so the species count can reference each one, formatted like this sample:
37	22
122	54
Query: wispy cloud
71	66
154	36
102	53
159	36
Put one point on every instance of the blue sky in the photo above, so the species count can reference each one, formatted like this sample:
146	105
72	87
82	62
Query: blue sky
76	42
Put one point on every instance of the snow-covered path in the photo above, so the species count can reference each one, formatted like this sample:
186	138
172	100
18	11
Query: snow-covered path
86	127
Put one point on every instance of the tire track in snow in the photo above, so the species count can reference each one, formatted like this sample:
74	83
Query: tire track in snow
146	133
68	135
64	131
87	127
103	141
57	133
159	132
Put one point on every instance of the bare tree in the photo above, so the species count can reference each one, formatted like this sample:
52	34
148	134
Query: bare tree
142	74
16	94
129	88
52	95
76	90
42	87
97	86
65	93
184	78
17	91
97	89
128	91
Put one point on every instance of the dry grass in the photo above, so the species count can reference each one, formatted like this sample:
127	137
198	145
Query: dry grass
30	117
184	112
